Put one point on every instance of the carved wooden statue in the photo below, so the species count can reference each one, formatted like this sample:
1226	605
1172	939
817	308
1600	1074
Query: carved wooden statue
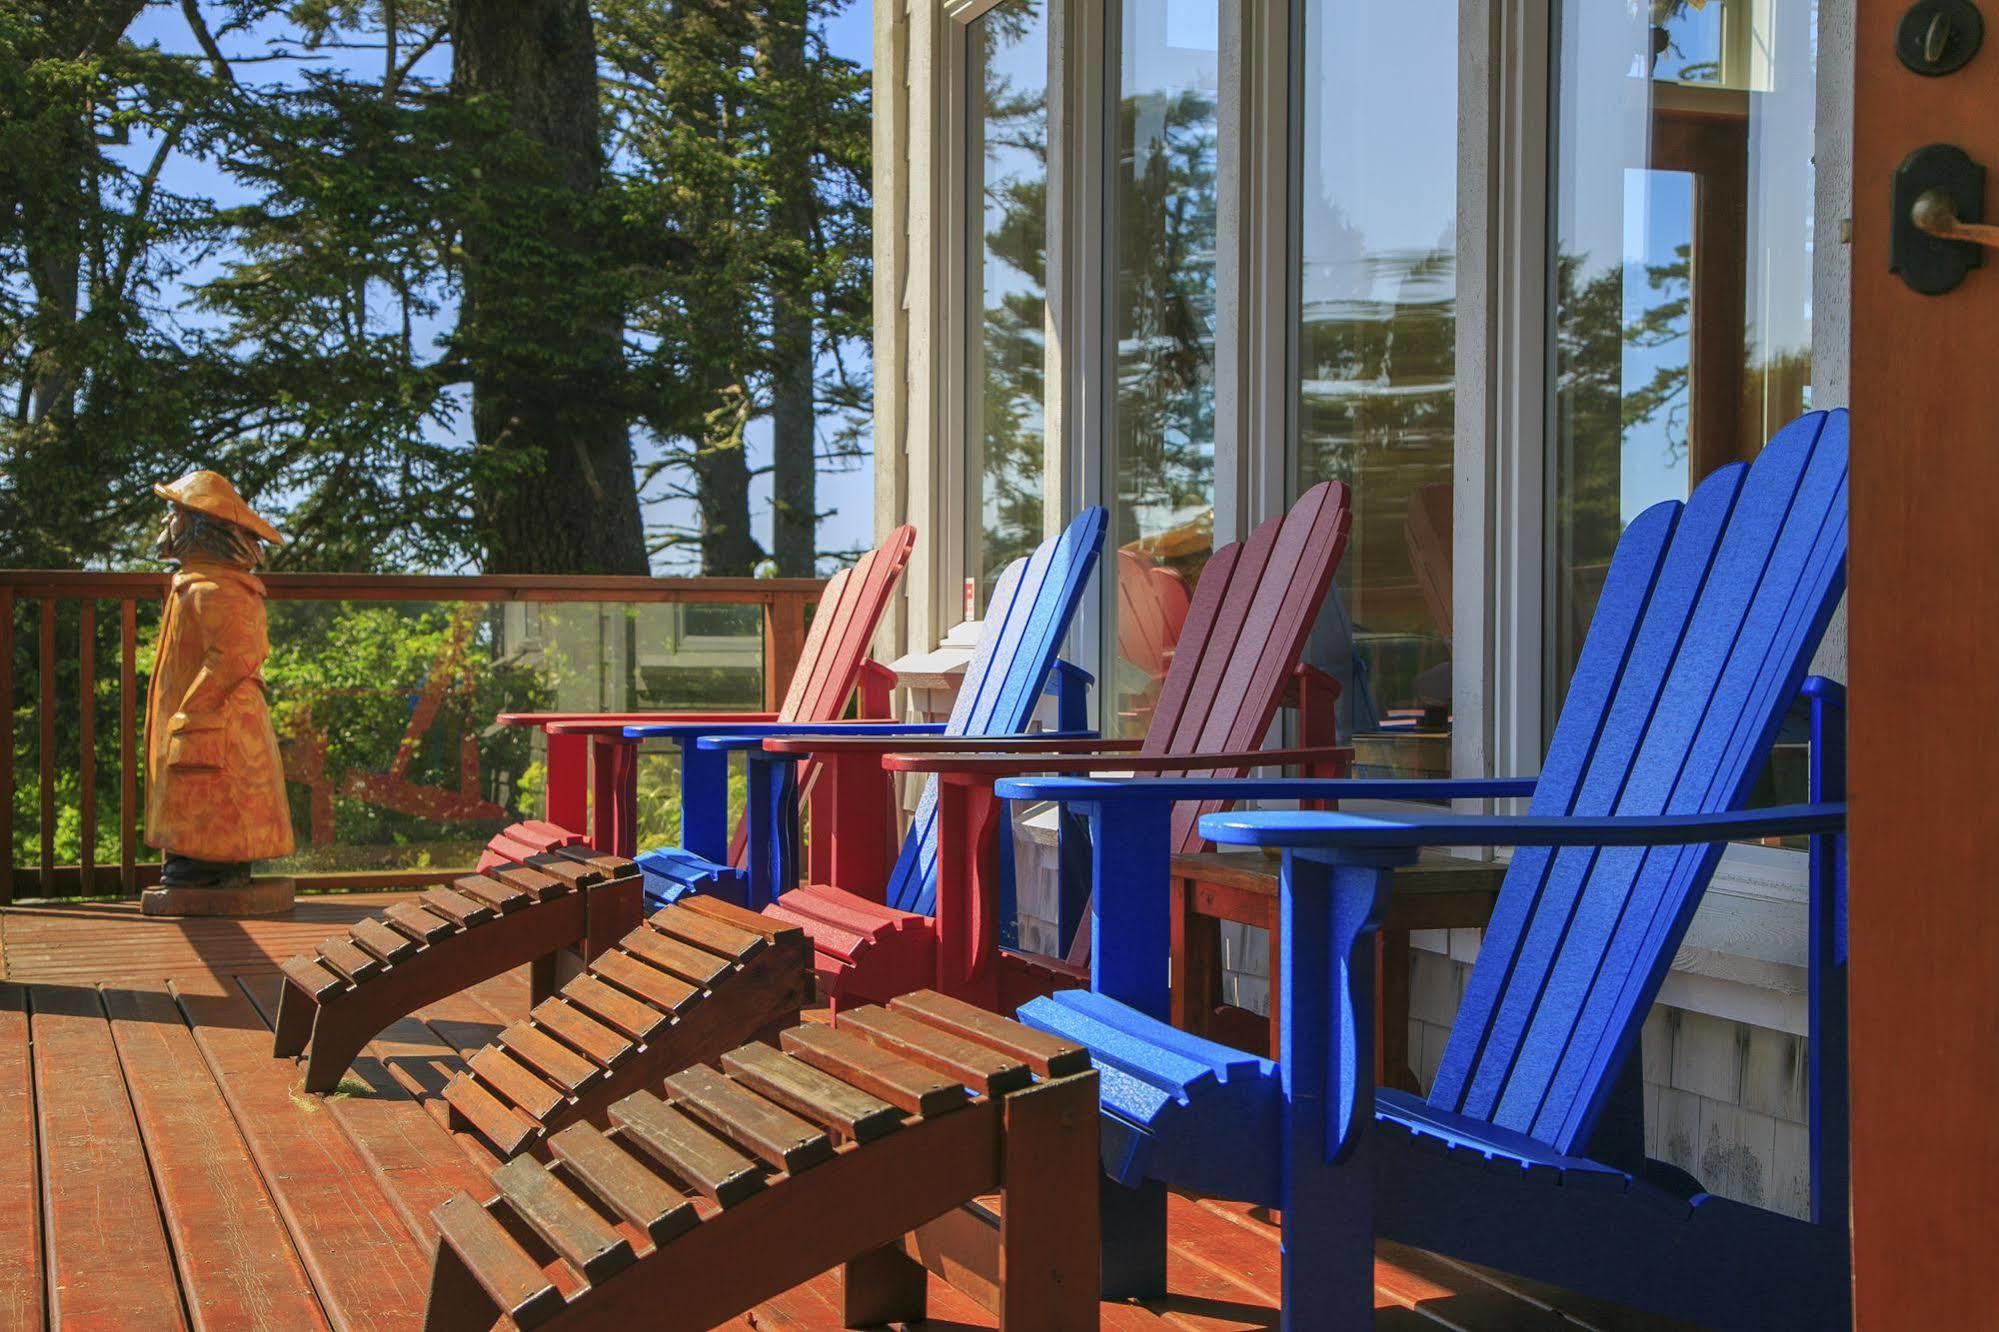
215	787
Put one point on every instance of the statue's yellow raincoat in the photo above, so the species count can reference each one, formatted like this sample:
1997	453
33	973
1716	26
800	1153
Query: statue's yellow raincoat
215	785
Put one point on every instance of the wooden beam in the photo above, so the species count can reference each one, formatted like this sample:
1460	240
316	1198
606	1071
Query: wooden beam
1923	918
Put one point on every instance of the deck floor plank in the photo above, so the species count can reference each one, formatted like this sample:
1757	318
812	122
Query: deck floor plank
236	1263
351	1177
416	1161
367	1269
108	1263
20	1218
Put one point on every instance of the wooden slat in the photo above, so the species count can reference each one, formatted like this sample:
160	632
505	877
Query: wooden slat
314	979
558	1063
128	748
517	1082
728	913
577	1028
566	871
705	932
497	1121
799	1087
565	1222
976	1066
774	1133
419	924
500	1266
351	1239
236	1263
86	745
656	987
109	1265
711	1166
350	961
614	1007
6	744
915	1089
690	964
456	907
385	943
502	897
623	1183
20	1229
534	883
1047	1055
47	751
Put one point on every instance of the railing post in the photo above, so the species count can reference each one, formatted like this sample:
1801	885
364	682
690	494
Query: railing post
48	746
128	747
784	639
86	744
6	744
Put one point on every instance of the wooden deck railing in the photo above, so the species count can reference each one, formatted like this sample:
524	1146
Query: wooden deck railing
784	603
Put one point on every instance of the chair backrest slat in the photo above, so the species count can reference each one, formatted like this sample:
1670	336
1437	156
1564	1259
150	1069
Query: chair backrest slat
1706	626
1247	624
842	627
1026	620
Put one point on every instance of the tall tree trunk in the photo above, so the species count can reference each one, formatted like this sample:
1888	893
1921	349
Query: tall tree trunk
722	480
794	465
540	321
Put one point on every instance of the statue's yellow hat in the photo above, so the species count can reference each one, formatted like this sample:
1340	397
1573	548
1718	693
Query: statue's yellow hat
211	493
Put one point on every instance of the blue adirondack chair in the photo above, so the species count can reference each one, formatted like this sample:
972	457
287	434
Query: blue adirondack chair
1013	666
1528	1153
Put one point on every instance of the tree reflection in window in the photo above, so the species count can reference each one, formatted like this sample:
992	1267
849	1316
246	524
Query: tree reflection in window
1009	52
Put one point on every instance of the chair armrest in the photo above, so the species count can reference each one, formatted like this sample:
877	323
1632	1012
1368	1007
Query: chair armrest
863	740
1314	830
963	747
1108	790
613	723
1007	765
753	738
749	727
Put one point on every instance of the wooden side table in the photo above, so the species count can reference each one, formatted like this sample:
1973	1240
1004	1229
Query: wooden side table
1439	892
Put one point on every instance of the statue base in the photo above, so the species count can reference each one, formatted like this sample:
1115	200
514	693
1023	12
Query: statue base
264	895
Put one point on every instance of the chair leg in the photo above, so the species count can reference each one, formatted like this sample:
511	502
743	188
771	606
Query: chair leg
1134	1239
1327	1248
883	1286
1049	1276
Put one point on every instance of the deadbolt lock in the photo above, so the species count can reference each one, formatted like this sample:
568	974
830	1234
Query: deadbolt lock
1938	37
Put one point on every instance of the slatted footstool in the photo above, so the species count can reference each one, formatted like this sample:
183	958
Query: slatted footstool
864	1147
692	981
565	899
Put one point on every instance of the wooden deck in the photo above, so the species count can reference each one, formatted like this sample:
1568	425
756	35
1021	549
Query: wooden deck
158	1168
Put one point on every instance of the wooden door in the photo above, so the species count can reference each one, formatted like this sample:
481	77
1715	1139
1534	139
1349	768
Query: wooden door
1924	672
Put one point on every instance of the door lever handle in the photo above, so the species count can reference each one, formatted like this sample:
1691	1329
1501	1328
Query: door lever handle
1936	215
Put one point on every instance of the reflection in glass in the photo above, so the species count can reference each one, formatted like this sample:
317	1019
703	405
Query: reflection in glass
1683	274
1376	348
1164	310
1008	164
1683	264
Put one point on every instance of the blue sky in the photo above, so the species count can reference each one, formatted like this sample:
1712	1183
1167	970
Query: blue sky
845	496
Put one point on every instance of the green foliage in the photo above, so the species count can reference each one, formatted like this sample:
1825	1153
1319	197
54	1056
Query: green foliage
299	321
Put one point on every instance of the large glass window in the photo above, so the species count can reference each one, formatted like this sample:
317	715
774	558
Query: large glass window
1682	258
1163	308
1376	342
1008	261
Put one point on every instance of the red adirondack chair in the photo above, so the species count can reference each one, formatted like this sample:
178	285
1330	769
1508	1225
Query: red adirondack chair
591	795
1235	662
